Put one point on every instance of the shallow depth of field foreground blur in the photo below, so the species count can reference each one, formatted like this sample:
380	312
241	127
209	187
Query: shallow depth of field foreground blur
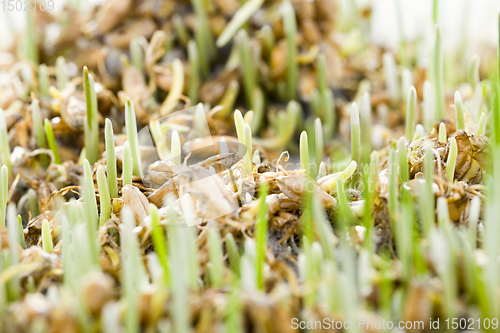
250	166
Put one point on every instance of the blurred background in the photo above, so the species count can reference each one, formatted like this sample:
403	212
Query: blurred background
473	22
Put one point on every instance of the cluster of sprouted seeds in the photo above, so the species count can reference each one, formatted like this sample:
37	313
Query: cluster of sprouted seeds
390	213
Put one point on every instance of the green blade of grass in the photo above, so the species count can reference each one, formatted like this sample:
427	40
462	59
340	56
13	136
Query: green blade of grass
61	73
452	158
132	137
104	196
419	132
4	189
370	182
393	189
473	71
314	263
391	78
248	66
203	35
127	165
402	37
48	245
365	118
261	228
304	152
323	229
38	129
321	72
498	54
290	122
159	242
248	117
133	271
256	157
410	112
233	254
36	118
238	124
443	137
194	71
438	83
91	215
406	84
459	111
110	159
33	202
201	44
193	261
239	18
326	98
404	234
228	99
435	11
495	112
481	127
176	89
347	216
427	199
267	36
328	105
258	108
318	143
43	81
4	143
175	148
67	253
233	321
216	260
474	212
180	30
137	55
490	232
51	139
330	185
200	121
92	123
30	45
306	218
13	286
81	241
290	27
403	160
180	280
247	142
355	141
428	106
447	271
159	139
